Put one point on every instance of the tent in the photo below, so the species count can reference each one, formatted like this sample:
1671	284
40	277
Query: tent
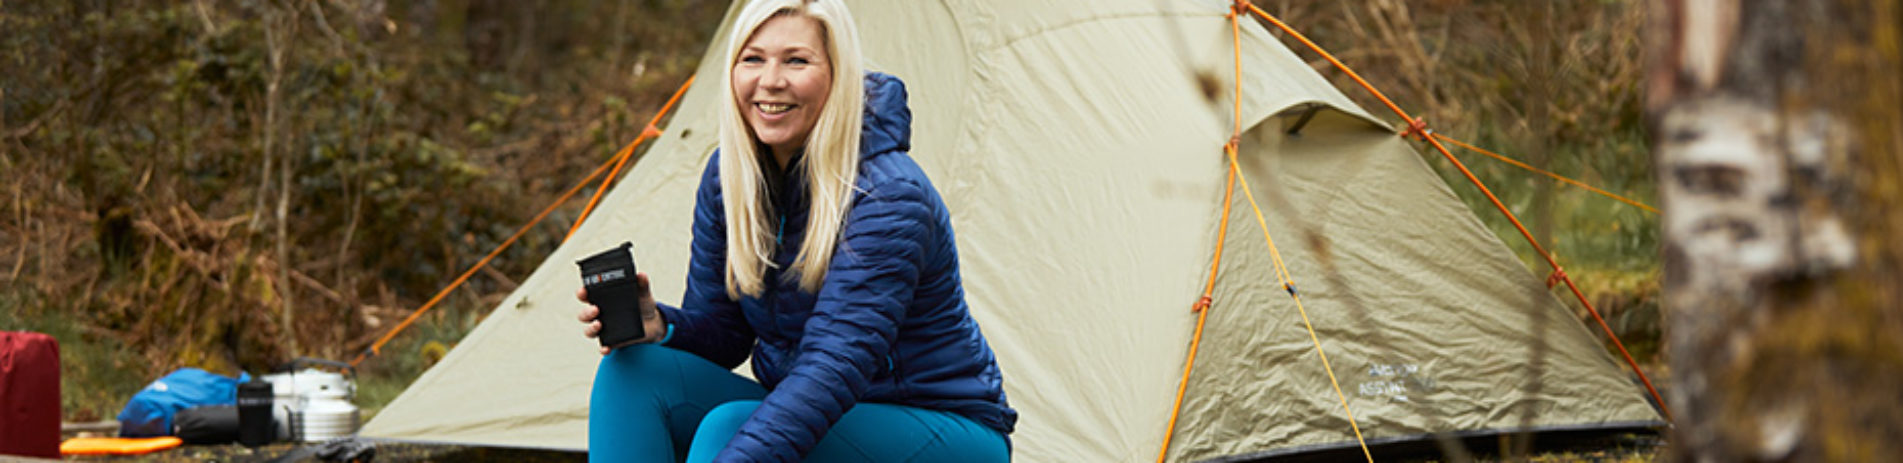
1084	165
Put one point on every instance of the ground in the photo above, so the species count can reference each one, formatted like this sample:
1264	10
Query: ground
1624	448
415	453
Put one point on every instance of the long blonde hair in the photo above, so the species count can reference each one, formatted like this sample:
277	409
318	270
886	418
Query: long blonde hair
832	154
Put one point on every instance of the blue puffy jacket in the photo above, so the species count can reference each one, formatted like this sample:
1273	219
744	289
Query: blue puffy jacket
889	325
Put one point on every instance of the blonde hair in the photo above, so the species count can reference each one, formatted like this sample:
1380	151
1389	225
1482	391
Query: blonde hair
832	154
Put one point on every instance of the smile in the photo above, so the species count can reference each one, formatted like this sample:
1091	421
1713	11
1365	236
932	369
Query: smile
774	108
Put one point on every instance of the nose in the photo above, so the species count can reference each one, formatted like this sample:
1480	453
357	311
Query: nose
774	78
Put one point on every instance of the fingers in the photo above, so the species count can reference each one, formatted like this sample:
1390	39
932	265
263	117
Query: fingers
590	313
621	345
606	349
647	297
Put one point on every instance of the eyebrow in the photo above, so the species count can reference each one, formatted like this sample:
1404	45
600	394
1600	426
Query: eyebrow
797	48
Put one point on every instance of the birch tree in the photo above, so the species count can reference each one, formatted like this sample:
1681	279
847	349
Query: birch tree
1777	125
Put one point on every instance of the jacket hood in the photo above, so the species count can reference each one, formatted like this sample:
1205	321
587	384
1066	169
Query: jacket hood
887	125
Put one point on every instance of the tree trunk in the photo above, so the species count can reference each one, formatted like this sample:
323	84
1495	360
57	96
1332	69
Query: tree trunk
1777	127
279	31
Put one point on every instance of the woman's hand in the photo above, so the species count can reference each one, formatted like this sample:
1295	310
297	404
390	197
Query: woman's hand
653	327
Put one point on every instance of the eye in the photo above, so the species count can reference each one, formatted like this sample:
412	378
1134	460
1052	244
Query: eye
797	61
752	59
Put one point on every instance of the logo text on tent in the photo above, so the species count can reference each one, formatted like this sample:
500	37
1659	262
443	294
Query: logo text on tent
1395	381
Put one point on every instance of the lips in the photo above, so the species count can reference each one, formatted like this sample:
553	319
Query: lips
774	108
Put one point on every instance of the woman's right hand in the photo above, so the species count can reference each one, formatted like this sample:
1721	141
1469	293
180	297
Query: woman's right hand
651	321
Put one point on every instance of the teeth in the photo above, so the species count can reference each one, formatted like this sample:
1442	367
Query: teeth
774	108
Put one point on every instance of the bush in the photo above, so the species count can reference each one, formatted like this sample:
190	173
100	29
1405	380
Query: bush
180	172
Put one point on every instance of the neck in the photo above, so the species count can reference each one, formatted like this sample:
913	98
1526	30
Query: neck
783	158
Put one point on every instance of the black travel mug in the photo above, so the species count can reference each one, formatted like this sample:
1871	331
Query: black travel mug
255	426
609	278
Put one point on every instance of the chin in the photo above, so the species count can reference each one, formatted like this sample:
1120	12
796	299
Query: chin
772	140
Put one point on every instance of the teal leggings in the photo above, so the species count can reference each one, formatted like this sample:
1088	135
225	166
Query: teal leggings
651	402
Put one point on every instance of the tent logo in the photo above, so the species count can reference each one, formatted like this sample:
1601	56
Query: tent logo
1395	381
604	277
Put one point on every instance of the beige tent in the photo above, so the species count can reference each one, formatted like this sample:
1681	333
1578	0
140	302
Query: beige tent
1085	173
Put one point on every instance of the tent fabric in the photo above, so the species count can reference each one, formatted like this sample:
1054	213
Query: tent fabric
1084	169
1430	326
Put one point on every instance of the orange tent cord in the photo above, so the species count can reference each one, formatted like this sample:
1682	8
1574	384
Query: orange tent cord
617	161
626	153
1556	271
377	347
1483	188
1288	283
1222	232
1554	176
1201	307
1235	37
1326	55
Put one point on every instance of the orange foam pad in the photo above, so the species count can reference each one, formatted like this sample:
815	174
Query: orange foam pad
116	445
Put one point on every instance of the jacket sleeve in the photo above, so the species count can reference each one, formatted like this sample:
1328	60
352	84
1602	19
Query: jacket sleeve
854	324
708	323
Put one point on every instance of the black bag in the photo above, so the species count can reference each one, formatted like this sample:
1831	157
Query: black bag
207	425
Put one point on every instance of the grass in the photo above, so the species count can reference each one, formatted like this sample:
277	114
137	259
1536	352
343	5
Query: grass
385	376
96	372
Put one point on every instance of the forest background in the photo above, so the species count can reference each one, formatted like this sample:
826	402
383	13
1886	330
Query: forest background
175	175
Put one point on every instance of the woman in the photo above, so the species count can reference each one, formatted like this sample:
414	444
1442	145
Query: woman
821	252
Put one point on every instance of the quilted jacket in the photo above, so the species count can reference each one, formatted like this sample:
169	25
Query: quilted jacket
888	325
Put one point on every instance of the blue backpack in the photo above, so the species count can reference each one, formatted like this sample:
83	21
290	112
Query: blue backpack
149	413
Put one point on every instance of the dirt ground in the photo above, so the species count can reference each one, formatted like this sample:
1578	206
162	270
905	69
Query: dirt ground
385	452
1623	448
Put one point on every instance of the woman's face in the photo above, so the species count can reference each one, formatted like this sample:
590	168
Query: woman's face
781	81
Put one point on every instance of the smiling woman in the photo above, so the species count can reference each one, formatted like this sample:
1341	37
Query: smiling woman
781	82
790	60
823	255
